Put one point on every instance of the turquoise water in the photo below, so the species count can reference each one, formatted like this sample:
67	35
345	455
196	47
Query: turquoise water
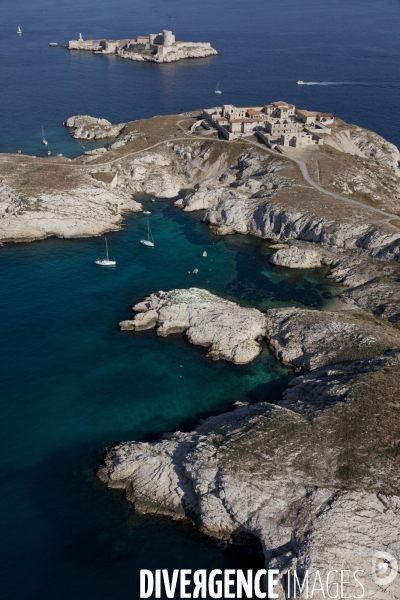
74	384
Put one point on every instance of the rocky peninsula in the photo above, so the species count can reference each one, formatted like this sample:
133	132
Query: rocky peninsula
314	476
225	328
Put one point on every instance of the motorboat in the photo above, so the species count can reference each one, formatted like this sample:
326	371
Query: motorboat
45	142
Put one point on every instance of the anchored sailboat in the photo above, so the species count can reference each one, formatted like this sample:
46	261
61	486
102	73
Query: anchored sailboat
106	262
45	142
150	240
19	30
218	91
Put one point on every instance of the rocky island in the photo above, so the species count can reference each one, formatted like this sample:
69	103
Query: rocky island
314	477
155	47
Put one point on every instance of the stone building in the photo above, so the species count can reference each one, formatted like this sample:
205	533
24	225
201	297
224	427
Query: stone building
279	124
306	117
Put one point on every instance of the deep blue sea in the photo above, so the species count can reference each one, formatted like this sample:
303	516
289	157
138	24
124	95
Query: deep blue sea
71	382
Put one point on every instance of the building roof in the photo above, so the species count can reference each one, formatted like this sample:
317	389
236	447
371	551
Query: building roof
254	111
242	120
279	103
305	113
325	114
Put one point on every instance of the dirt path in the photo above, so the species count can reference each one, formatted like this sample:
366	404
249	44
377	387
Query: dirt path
299	162
307	178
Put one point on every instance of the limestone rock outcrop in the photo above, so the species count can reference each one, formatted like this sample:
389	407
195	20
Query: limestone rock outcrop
306	476
81	207
153	174
309	339
297	337
297	258
366	144
91	128
251	177
258	470
227	330
171	54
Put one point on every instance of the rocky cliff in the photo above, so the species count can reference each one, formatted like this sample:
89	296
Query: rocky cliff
89	128
226	329
242	188
170	54
39	200
314	477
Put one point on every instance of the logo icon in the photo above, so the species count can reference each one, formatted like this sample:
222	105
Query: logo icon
384	568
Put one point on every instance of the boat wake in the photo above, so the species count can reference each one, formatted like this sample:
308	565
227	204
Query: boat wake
353	83
335	83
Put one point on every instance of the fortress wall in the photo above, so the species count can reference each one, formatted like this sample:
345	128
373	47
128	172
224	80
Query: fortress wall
192	45
84	44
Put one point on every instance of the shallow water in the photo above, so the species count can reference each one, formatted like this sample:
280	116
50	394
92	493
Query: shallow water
73	384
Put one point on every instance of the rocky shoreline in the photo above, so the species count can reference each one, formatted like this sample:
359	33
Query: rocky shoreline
315	477
280	472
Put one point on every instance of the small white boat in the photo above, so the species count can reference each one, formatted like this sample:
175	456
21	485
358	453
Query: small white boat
45	142
48	152
204	253
301	82
147	212
150	241
106	262
195	271
217	90
153	199
53	44
19	30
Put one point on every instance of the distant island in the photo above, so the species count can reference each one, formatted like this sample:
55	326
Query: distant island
155	47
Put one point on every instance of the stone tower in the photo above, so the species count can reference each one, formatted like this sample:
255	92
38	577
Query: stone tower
168	38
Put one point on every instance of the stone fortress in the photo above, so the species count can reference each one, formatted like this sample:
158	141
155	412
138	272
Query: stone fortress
155	47
278	124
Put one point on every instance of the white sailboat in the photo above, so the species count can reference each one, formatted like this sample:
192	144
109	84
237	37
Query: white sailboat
19	30
45	142
106	262
150	240
218	91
